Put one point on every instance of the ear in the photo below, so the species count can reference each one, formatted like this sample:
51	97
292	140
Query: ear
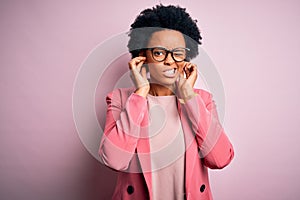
143	53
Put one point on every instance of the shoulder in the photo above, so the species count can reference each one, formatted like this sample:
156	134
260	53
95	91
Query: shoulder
206	96
203	93
121	92
119	95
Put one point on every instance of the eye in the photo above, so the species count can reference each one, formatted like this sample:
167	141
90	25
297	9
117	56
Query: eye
158	52
179	53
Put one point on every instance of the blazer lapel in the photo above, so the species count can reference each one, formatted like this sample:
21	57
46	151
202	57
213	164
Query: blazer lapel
143	150
189	143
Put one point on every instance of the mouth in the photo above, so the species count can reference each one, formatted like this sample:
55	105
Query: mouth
170	73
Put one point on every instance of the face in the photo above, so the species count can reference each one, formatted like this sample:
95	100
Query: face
165	72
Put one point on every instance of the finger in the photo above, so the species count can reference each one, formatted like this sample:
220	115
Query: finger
192	67
181	71
193	75
181	66
193	70
144	72
187	70
139	65
135	61
141	57
132	64
181	79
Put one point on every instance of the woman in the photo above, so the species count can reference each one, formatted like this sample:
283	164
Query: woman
163	135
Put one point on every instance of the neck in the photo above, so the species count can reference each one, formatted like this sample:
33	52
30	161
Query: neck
160	90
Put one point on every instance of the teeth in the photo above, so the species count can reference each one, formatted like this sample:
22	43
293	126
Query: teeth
171	71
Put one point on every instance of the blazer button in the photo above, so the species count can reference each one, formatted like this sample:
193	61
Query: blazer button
130	189
202	188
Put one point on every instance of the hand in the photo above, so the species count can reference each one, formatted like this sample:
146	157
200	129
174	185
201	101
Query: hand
138	75
185	84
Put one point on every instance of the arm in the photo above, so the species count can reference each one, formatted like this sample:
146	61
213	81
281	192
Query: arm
215	148
122	128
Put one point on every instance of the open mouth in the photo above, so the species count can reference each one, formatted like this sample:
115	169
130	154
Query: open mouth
170	73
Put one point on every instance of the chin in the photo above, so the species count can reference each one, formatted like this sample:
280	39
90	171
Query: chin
161	80
165	83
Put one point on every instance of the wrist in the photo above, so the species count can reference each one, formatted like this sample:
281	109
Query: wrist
142	92
186	95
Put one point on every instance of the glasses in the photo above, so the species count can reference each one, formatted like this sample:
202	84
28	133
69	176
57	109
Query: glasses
160	54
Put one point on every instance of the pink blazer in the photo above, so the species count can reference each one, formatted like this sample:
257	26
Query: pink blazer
125	147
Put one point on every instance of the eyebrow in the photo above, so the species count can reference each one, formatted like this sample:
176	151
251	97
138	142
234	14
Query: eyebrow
166	48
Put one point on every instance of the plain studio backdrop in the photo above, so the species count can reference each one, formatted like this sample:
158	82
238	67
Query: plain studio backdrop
254	45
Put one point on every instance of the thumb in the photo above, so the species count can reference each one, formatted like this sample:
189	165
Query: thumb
181	79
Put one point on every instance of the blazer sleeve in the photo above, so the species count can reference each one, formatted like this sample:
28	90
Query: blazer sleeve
215	147
122	128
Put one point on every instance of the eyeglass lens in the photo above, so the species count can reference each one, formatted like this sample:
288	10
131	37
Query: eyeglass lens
160	54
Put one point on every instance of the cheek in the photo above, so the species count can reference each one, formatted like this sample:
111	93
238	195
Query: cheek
153	68
180	67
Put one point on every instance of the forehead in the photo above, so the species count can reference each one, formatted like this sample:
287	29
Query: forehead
169	39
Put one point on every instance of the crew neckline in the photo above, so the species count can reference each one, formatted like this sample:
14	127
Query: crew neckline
173	95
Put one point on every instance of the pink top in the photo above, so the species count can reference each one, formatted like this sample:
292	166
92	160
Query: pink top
167	148
125	145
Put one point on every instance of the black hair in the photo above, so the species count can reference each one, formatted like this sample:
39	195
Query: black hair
160	18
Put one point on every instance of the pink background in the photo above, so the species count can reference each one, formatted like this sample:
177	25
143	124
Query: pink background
255	46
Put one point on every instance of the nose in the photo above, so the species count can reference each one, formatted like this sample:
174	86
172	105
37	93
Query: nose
169	60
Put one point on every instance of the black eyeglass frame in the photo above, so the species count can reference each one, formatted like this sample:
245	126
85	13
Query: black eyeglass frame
167	53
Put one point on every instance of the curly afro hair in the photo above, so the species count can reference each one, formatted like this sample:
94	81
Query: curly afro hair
160	18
